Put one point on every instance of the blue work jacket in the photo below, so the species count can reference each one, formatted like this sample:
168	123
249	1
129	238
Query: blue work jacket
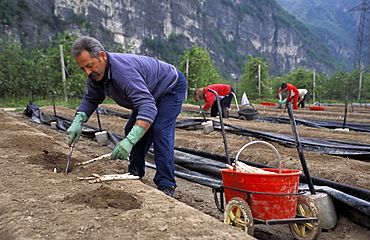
132	81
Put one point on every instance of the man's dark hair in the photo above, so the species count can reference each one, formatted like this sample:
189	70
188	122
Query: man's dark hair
284	85
198	94
89	44
195	95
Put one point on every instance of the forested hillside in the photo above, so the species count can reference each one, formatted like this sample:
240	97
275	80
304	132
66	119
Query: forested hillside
333	21
229	29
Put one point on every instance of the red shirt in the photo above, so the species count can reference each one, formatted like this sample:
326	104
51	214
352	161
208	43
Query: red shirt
291	90
210	97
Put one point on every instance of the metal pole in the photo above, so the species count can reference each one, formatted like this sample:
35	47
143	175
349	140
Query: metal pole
187	74
313	86
97	115
259	80
345	110
222	126
63	72
55	111
359	87
299	149
201	110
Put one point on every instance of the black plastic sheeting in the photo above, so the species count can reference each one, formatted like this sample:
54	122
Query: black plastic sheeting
204	167
357	127
88	131
353	150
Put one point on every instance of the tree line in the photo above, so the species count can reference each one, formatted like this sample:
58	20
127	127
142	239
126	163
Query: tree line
29	71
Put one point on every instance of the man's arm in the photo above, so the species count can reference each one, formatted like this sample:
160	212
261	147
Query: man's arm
143	124
124	147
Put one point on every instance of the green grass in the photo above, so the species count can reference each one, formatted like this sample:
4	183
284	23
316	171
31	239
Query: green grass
73	103
21	104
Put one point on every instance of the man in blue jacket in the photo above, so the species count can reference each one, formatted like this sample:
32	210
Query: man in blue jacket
152	89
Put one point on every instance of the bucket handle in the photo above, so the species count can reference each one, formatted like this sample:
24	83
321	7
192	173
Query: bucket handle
251	106
268	144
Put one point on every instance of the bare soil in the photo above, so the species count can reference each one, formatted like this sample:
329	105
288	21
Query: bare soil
40	204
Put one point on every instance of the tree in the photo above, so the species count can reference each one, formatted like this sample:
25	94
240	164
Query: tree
13	69
198	68
255	81
342	83
75	78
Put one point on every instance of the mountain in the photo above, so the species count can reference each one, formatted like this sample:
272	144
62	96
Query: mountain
229	29
334	21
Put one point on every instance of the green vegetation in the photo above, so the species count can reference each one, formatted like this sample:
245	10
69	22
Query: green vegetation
255	82
34	74
11	11
32	71
198	68
169	49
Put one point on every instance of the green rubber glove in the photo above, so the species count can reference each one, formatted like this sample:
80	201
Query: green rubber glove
280	101
75	130
284	101
124	147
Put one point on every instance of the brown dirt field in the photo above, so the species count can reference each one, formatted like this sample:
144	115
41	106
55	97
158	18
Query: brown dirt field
37	203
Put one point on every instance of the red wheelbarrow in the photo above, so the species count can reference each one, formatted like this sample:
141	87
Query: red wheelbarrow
267	198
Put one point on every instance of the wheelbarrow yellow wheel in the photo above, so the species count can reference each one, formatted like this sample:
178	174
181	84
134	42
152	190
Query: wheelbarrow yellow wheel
308	231
238	214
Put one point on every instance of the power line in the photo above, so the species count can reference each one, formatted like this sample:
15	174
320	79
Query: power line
362	56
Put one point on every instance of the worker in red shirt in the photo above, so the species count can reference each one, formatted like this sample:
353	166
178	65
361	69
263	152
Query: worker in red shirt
292	94
224	92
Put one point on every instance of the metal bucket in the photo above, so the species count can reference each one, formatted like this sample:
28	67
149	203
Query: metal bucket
271	196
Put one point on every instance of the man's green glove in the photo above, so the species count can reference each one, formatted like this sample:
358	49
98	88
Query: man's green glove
75	130
124	147
280	101
284	101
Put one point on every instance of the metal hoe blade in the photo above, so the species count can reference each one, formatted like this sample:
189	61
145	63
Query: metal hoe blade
70	155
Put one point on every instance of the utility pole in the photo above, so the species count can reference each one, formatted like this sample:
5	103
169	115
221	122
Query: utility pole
259	80
313	85
187	74
63	73
360	86
362	56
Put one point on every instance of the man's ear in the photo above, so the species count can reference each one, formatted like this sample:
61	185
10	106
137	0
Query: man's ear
103	55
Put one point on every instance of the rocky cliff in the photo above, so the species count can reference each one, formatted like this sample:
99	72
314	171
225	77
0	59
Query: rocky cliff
229	29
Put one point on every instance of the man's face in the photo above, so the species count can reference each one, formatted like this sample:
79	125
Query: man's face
200	93
201	96
93	67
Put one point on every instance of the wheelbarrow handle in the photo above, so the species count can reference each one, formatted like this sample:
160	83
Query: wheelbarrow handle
222	125
219	203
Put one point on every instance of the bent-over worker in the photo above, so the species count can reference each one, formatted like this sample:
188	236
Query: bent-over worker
302	97
152	89
224	92
292	94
